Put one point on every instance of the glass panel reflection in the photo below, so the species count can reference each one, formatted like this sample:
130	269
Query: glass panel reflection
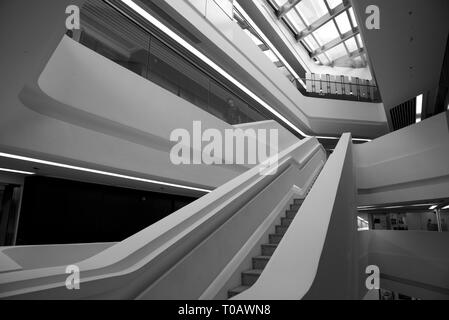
109	33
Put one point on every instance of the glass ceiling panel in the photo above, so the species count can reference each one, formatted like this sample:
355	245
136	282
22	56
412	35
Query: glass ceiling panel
307	12
360	40
352	15
351	44
336	52
305	45
323	58
296	20
343	22
334	3
311	42
326	33
312	10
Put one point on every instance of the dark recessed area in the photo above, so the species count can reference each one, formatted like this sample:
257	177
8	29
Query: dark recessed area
56	211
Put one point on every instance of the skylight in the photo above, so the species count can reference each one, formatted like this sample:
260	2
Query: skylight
326	28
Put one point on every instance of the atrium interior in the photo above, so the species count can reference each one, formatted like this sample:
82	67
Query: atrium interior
224	149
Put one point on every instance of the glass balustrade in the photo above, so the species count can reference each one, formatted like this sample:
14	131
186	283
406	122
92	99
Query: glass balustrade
108	32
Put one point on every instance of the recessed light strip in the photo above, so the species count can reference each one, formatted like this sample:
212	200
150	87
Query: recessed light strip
16	171
146	15
365	208
104	173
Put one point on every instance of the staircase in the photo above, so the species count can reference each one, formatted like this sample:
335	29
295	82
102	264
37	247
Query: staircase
250	277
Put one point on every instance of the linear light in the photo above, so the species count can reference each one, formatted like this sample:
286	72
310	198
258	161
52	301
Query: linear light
16	171
146	15
420	204
104	173
365	207
419	101
336	138
379	208
446	207
212	64
433	207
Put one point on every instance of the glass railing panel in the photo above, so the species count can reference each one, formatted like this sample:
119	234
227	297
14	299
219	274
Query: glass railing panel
118	38
175	74
107	32
226	106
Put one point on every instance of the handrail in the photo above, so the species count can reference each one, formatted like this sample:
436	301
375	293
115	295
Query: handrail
154	250
300	264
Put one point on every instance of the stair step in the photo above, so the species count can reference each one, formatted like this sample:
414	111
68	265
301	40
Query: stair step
275	238
291	214
268	249
286	222
260	262
298	201
250	277
236	291
281	230
295	207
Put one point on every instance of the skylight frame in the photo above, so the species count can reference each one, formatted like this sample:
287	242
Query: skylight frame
337	12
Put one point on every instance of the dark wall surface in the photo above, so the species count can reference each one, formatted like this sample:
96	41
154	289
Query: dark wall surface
56	211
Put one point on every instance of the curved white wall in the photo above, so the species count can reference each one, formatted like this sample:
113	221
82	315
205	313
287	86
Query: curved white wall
408	165
412	262
65	103
130	267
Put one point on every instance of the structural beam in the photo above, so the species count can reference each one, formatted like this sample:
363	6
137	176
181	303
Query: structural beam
359	45
287	7
331	44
